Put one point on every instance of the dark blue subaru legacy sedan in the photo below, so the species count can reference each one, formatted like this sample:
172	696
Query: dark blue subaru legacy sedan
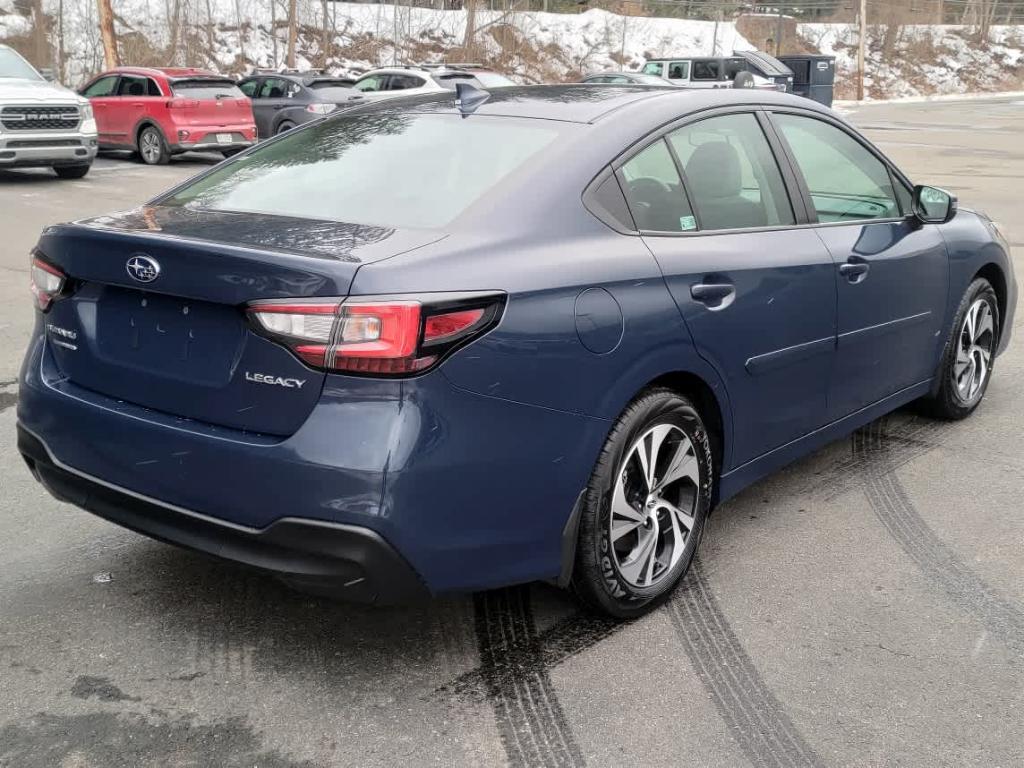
439	344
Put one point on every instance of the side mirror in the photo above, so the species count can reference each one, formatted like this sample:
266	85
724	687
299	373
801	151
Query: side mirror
933	205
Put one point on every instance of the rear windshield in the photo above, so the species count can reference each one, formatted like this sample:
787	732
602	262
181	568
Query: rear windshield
206	89
450	81
329	85
382	169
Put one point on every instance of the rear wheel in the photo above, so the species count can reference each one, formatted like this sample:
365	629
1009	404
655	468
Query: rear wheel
71	171
152	147
284	127
645	506
966	366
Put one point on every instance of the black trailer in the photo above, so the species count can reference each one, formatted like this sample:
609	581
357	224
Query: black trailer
814	76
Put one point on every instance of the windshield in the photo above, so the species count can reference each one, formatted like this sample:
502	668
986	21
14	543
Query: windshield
206	89
652	68
643	79
384	169
12	65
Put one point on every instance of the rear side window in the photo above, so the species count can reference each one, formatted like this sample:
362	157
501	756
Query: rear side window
206	89
731	173
679	70
846	181
386	169
402	82
131	85
706	70
655	193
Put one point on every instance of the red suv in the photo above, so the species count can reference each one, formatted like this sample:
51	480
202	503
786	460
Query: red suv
161	112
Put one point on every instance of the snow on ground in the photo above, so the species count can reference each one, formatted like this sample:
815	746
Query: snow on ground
925	59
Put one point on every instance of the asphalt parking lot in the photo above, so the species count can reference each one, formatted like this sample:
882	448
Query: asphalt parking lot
864	607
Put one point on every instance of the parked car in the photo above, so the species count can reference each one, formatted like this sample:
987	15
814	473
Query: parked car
711	72
165	111
535	335
283	100
42	124
625	78
425	78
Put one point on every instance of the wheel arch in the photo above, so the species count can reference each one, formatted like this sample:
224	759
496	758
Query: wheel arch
997	279
147	122
703	396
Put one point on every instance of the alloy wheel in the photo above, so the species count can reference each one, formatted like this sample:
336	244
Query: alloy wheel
974	351
149	147
654	505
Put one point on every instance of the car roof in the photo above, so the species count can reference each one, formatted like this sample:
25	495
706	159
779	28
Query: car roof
591	102
172	73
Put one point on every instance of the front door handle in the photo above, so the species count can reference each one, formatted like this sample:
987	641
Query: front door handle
854	271
712	294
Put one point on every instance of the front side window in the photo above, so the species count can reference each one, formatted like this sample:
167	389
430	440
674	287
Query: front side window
383	169
102	87
652	68
249	88
371	83
655	192
731	173
846	181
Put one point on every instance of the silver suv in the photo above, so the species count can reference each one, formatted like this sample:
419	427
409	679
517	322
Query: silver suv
41	123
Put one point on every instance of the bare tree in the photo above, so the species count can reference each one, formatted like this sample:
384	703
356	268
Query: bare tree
325	36
241	31
111	57
293	29
174	24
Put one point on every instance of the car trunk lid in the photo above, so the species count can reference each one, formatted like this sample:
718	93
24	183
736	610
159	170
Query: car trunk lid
180	343
210	101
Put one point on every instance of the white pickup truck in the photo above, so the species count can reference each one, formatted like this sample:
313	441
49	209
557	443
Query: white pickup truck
42	124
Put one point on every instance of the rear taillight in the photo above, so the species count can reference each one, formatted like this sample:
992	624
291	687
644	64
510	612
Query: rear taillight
182	103
390	336
47	282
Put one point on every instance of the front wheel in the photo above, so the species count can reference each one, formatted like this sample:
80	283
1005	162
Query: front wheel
966	366
71	171
645	506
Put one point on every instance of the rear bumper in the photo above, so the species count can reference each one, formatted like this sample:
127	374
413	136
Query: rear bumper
339	560
473	492
203	138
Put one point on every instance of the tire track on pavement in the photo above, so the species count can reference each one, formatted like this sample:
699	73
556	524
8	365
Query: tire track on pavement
533	728
755	718
937	560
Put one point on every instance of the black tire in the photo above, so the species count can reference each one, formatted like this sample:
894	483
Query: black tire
230	152
284	127
946	400
152	147
597	580
71	171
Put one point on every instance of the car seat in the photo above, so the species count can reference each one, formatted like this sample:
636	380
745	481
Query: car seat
715	183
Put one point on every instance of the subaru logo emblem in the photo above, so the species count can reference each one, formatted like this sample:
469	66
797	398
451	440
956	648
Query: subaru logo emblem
142	268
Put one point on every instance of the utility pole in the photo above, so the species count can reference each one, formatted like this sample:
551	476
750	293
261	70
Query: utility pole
863	24
778	32
111	58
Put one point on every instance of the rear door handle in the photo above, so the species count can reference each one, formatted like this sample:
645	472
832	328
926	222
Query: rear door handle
854	271
711	293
